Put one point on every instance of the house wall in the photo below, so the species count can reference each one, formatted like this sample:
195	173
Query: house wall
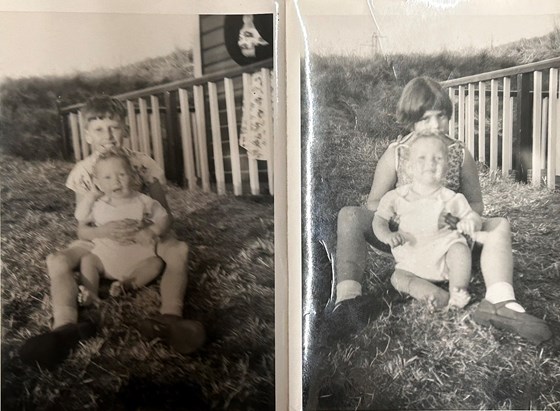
214	58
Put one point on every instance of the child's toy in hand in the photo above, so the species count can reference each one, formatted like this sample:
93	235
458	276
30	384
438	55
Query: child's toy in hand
452	222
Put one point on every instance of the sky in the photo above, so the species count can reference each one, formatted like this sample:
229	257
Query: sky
60	43
406	26
57	37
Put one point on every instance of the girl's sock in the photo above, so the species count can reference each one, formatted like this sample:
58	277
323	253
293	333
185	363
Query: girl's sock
500	292
346	290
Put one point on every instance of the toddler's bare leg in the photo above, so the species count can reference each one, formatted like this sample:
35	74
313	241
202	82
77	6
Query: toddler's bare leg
146	272
458	259
418	288
90	268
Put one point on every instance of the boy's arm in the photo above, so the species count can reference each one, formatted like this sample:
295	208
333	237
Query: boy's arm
156	191
161	221
116	230
160	225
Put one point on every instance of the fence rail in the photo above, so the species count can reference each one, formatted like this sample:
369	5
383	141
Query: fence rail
510	119
190	128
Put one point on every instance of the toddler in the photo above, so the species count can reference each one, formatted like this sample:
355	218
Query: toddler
132	264
427	251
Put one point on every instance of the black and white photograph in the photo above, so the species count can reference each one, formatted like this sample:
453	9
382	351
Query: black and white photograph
137	209
429	128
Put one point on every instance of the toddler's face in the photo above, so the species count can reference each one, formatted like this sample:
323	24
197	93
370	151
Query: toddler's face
105	133
428	161
433	120
113	178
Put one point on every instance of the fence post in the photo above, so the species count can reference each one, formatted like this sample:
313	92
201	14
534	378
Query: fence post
63	130
523	128
174	147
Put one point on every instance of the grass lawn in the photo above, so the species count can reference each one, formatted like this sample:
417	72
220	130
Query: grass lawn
409	357
231	290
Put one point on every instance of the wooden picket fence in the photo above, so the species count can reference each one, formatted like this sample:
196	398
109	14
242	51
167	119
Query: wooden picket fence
191	129
510	119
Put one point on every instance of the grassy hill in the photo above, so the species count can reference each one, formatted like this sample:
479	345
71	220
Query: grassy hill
29	124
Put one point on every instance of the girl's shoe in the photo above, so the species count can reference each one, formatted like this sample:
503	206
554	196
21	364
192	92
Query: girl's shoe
527	326
184	336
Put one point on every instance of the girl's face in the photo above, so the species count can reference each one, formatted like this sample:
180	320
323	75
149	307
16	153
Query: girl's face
113	177
428	161
433	120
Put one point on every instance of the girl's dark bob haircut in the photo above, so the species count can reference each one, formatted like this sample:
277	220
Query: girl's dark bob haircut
421	94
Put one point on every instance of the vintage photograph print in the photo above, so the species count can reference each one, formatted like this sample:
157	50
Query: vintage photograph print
137	209
430	172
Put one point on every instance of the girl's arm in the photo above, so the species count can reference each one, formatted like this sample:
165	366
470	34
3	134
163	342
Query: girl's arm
470	184
384	179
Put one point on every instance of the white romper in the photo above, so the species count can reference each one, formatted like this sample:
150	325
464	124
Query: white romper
424	252
119	260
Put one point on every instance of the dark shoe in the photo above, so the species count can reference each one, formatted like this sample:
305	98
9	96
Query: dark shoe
184	336
352	315
527	326
50	349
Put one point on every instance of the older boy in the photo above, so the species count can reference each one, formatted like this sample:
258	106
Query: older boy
105	129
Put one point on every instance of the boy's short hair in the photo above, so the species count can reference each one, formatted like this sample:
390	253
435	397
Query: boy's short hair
103	107
422	94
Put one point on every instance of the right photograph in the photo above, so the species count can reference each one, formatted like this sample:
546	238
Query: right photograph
430	158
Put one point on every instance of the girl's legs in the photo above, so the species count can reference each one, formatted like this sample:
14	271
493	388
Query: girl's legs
496	263
458	260
354	232
419	288
90	269
145	272
499	307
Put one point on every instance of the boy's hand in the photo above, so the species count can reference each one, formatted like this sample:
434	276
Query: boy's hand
123	231
93	195
396	239
145	237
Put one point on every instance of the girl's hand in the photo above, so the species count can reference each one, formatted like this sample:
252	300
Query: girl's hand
396	239
467	226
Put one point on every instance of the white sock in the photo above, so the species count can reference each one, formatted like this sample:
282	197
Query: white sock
503	291
347	289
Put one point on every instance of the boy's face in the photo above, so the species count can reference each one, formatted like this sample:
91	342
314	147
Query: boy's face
105	133
433	120
428	161
113	178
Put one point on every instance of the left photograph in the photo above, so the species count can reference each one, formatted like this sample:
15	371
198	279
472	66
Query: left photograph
137	213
